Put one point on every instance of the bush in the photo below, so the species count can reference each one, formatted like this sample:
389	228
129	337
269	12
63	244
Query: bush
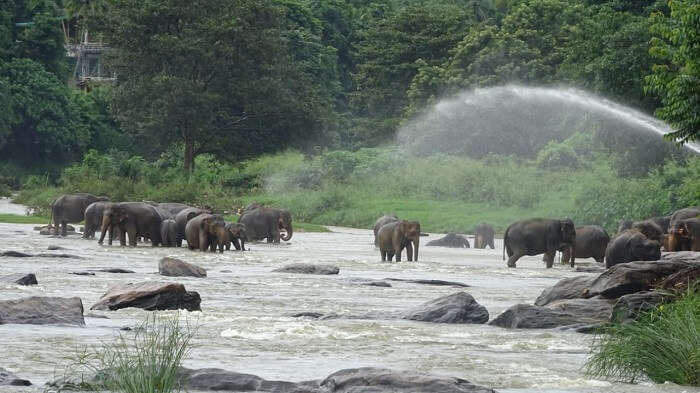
145	361
663	345
557	155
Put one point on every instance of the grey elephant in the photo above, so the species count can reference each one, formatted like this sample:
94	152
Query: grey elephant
393	237
381	221
650	229
450	240
236	235
70	209
684	235
181	219
591	242
93	219
168	233
536	236
631	245
206	231
483	236
133	219
267	223
173	207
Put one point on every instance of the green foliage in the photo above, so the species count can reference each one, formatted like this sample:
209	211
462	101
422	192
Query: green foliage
663	346
557	155
676	41
145	361
17	219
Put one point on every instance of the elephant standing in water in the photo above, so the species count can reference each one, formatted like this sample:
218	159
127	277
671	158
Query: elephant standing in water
93	221
181	220
381	221
393	237
631	245
173	207
539	236
206	231
267	223
591	242
134	219
236	236
483	236
70	209
168	233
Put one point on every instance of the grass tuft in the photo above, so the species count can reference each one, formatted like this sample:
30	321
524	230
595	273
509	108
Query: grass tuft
663	346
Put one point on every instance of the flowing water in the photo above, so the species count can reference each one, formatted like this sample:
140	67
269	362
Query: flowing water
245	327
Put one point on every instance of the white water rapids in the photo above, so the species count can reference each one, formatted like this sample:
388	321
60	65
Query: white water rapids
245	327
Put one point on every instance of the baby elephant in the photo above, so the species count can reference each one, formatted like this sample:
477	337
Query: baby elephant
629	246
168	233
393	237
236	235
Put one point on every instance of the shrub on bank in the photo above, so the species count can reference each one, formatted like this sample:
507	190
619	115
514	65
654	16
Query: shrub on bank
663	345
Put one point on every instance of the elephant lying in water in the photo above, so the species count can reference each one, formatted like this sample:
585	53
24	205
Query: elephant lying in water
537	236
450	240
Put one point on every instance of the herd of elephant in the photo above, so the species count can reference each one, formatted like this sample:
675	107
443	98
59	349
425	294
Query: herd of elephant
168	224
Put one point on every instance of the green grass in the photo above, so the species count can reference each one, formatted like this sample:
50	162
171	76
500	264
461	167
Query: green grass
663	345
146	360
19	219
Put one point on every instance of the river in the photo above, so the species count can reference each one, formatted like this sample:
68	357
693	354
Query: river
245	326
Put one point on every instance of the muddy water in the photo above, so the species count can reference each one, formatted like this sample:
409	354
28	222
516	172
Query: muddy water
244	325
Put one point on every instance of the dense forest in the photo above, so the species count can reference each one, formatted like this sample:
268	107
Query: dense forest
299	102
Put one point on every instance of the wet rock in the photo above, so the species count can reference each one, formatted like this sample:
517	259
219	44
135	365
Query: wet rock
42	311
20	279
214	379
597	308
114	270
93	315
308	314
308	268
149	295
452	240
69	228
15	254
527	316
381	380
54	248
590	269
629	307
82	273
49	255
176	268
368	282
568	288
631	277
593	328
456	308
9	379
430	282
678	282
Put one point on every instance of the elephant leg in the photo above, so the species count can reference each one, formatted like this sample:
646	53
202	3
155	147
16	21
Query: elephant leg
549	258
514	258
389	255
236	244
415	251
276	236
565	255
132	237
397	252
409	251
383	254
64	228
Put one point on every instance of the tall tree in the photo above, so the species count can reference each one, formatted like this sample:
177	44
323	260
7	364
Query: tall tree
676	81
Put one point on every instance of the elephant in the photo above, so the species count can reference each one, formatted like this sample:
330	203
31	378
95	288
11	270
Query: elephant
206	231
483	236
381	221
450	240
70	209
684	235
631	245
663	222
168	232
650	229
393	237
173	207
181	219
249	207
682	214
625	225
135	219
236	235
535	236
591	242
266	223
93	219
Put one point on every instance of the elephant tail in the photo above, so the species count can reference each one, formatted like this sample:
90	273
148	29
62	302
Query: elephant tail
505	238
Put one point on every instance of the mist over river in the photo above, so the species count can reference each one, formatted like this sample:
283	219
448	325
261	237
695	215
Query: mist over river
245	326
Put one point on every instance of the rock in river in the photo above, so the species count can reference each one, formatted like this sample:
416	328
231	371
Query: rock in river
9	379
308	268
149	295
42	311
20	279
527	316
568	288
176	268
456	308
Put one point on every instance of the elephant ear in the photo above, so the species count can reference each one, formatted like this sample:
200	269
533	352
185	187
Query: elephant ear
203	223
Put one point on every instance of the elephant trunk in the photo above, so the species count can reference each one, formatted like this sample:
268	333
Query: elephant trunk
289	233
105	226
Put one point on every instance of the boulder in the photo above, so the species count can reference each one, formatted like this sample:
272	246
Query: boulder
14	254
368	282
9	379
20	279
452	240
526	316
456	308
678	282
596	308
149	295
114	270
568	288
42	311
176	268
308	268
54	248
430	282
628	307
214	379
631	277
381	380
